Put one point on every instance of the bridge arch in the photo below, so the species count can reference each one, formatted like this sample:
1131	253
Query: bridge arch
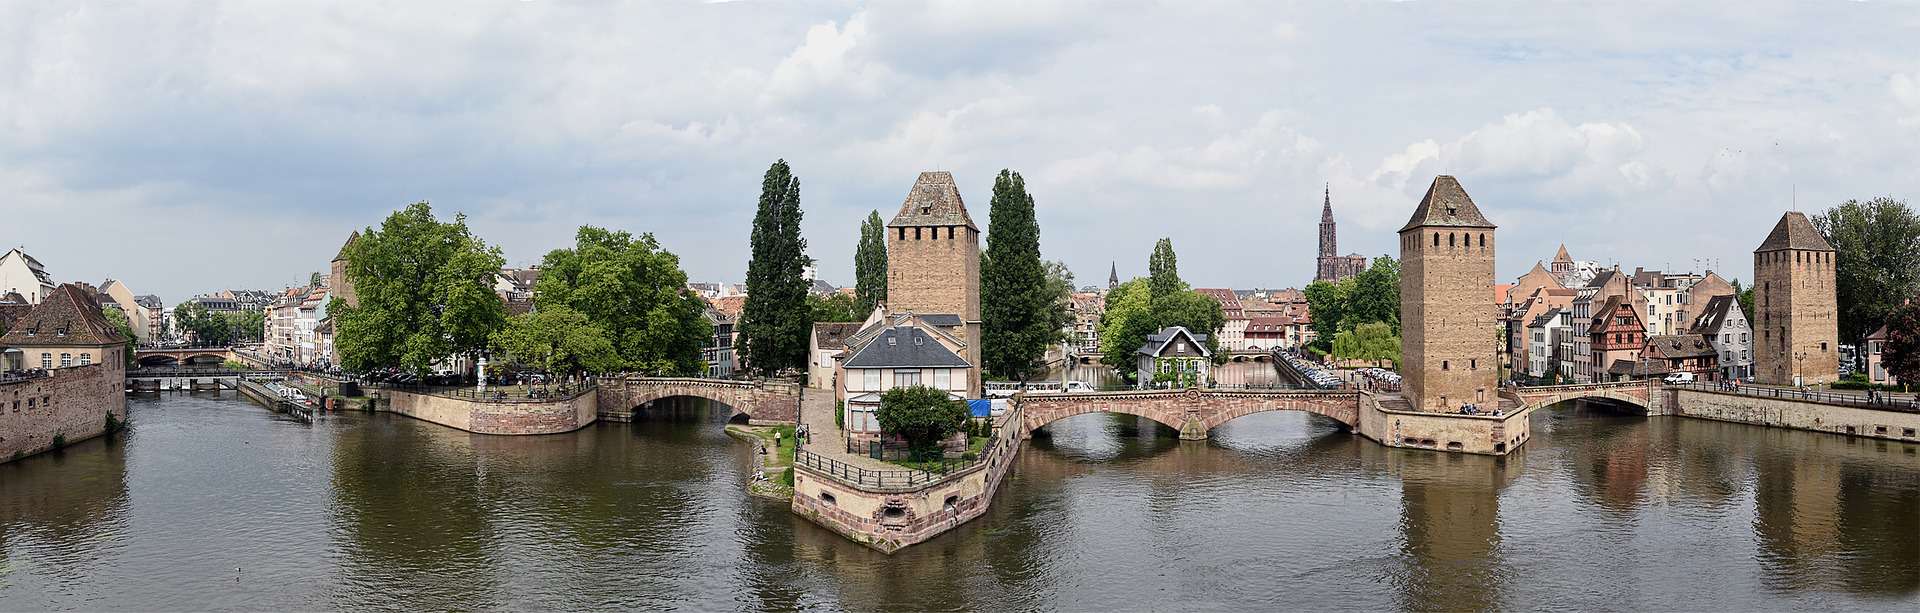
1193	412
158	360
760	401
204	358
1634	394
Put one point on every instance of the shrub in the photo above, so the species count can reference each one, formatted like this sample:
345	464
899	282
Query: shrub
921	415
59	441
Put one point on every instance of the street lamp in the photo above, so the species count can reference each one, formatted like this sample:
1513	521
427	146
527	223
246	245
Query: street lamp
1800	368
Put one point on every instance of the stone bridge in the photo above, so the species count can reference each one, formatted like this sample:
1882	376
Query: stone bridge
763	402
1193	412
152	356
1636	393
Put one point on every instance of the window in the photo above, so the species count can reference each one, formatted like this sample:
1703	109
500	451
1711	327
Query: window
1449	240
66	359
1443	365
1436	239
46	361
916	234
904	378
871	380
943	378
1473	364
86	358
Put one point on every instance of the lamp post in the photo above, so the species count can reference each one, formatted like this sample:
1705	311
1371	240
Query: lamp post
1800	368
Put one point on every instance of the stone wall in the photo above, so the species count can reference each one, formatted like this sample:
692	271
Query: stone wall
1450	328
1794	298
1480	434
764	402
1193	412
70	402
888	519
1797	414
482	417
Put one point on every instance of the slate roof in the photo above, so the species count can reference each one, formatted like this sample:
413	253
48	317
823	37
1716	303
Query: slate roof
933	201
1605	277
905	346
1794	232
834	335
1158	340
1715	314
67	317
1673	346
1545	318
1447	204
944	320
1630	367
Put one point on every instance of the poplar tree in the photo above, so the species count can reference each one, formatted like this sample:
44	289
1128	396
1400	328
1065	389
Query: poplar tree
870	265
1163	270
1016	318
776	320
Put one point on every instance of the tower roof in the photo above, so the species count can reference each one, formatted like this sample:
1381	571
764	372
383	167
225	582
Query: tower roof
933	201
1794	232
1326	206
1562	255
1113	274
343	246
1446	204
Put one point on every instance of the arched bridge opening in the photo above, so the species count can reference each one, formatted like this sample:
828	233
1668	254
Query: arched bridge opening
1632	398
1192	412
759	402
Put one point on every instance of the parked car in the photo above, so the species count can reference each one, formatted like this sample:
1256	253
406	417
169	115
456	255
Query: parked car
1679	378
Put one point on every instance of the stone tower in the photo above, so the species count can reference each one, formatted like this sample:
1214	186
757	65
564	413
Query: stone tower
1328	245
1113	276
1447	318
1796	329
933	259
337	283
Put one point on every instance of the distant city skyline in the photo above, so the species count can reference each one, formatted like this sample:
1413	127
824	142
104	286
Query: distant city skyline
136	133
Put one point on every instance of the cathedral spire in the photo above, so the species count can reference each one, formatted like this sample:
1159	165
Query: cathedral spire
1329	246
1113	276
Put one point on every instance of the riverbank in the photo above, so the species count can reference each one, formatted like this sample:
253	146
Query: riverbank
774	451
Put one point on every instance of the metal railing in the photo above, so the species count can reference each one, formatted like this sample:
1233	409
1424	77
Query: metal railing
512	394
201	371
1882	402
907	478
24	375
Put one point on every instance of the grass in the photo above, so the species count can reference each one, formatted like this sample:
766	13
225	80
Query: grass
974	446
783	453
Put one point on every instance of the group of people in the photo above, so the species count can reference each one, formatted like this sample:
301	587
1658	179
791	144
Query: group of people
1474	409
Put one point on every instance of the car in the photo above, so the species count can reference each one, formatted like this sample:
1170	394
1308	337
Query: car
1679	378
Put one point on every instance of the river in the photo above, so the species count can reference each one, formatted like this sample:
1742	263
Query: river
214	503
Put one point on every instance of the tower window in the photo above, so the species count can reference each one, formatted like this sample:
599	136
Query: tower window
1483	240
1443	365
1449	239
1436	239
916	234
903	233
1473	364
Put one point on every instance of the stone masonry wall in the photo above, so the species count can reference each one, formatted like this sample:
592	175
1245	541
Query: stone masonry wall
933	274
1794	295
71	402
1798	414
1478	434
1448	319
1192	412
512	418
763	402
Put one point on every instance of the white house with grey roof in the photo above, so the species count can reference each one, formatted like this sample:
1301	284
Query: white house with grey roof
898	351
21	274
1726	326
1173	357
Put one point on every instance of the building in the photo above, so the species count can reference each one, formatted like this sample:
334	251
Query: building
158	320
139	317
933	262
1543	333
1269	333
1798	332
1877	372
1617	336
23	275
1332	266
66	329
1520	320
1675	353
1448	325
1586	305
1087	309
1725	326
1232	333
898	351
722	350
1571	272
1113	275
826	347
1174	357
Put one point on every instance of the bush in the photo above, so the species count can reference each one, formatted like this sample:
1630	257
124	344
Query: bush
921	415
59	441
840	415
114	425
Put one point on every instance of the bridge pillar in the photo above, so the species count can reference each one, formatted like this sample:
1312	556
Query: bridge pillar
1191	428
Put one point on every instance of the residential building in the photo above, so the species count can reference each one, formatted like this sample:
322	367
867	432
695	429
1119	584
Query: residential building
1542	331
721	351
1174	357
65	329
1692	353
22	274
138	316
1617	338
1332	267
1606	284
158	320
1798	333
827	346
1571	272
1877	372
898	351
1087	309
1726	327
1269	333
1232	333
308	349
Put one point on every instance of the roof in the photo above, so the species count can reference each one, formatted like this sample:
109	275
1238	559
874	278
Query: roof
933	201
1603	316
834	335
68	316
1672	346
39	270
1715	315
1267	324
1562	256
343	246
1879	334
1446	204
1648	278
906	346
944	320
1630	367
1794	232
1605	277
1500	291
1157	341
729	306
1545	319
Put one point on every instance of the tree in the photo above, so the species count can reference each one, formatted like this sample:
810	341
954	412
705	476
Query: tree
837	307
559	340
870	265
636	293
118	318
1017	323
1901	355
1374	297
1744	296
1876	244
212	328
314	280
1327	303
775	322
1060	312
426	293
1163	270
1372	341
921	415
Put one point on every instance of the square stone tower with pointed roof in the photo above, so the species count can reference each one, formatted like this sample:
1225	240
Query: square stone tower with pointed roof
1448	325
933	259
1796	317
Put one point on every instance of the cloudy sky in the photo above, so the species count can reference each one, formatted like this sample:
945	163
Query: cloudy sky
189	146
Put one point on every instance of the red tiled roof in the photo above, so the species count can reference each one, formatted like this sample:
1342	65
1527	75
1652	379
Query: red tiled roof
68	316
730	305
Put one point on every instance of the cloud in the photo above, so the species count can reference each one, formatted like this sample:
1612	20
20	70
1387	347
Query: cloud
1906	94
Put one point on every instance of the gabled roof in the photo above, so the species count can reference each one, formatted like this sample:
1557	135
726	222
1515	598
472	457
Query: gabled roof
1605	277
1446	204
1718	310
1157	341
1879	334
1545	318
933	201
905	346
1562	255
67	317
1679	346
343	246
834	335
1603	316
1794	232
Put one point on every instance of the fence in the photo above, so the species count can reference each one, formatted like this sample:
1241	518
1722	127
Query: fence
906	478
23	375
512	394
1879	402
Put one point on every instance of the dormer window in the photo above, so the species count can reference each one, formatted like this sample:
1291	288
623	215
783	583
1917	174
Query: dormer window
926	209
892	340
1453	211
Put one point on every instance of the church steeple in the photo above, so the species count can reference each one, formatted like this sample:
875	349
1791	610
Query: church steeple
1328	239
1113	276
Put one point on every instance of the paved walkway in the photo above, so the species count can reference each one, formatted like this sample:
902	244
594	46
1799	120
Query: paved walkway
816	411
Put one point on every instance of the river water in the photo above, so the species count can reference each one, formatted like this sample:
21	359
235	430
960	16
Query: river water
214	503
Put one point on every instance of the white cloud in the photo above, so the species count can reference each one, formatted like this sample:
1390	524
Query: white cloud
1906	94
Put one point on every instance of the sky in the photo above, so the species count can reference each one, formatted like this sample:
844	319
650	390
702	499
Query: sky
185	147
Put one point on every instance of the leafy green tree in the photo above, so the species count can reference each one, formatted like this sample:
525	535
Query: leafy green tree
1327	302
1060	289
775	322
118	319
921	415
837	307
1876	245
1375	296
559	340
1018	322
1163	270
213	328
635	293
1372	341
247	326
870	265
1744	296
1901	355
425	289
315	280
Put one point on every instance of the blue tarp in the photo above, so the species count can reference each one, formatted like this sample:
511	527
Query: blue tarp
981	408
